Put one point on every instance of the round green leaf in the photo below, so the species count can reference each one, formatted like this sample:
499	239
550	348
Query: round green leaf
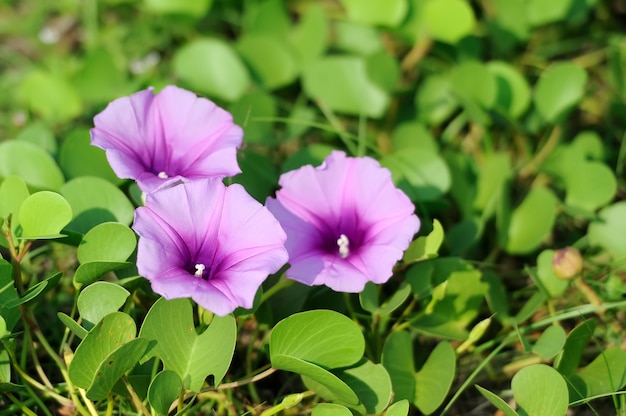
606	374
194	8
211	66
610	229
100	79
258	175
31	163
422	174
590	185
540	390
78	157
13	191
164	390
575	346
191	355
94	201
98	300
109	241
513	96
559	88
323	337
342	84
38	134
399	408
270	59
532	221
255	112
449	20
413	134
546	277
551	342
43	215
90	272
50	95
435	100
433	381
371	383
472	81
541	12
376	12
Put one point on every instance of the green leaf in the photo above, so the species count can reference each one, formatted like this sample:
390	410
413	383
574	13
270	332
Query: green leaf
341	83
310	155
545	277
318	379
98	300
194	8
370	302
604	375
52	96
95	201
371	383
213	67
113	331
559	89
330	409
164	390
434	379
577	340
100	79
8	296
532	221
270	58
191	355
397	357
310	37
321	337
31	163
259	176
590	185
435	100
38	134
115	365
472	81
497	402
356	38
513	97
76	329
425	247
400	408
550	343
609	231
540	390
43	215
13	192
449	20
35	292
376	12
87	273
413	134
493	174
423	175
110	241
78	157
541	12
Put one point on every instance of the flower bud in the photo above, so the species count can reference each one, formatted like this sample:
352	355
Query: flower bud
567	263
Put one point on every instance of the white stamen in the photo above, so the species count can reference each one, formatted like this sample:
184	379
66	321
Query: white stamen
344	246
199	269
163	175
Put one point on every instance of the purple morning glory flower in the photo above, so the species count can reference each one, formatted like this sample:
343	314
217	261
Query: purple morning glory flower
213	243
346	222
160	139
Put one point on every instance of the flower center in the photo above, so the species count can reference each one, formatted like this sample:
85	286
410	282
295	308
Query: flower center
200	268
162	175
344	246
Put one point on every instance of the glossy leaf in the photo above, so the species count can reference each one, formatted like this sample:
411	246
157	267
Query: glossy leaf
330	409
109	241
73	326
13	191
321	337
36	291
497	402
191	355
425	247
43	215
98	300
318	379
